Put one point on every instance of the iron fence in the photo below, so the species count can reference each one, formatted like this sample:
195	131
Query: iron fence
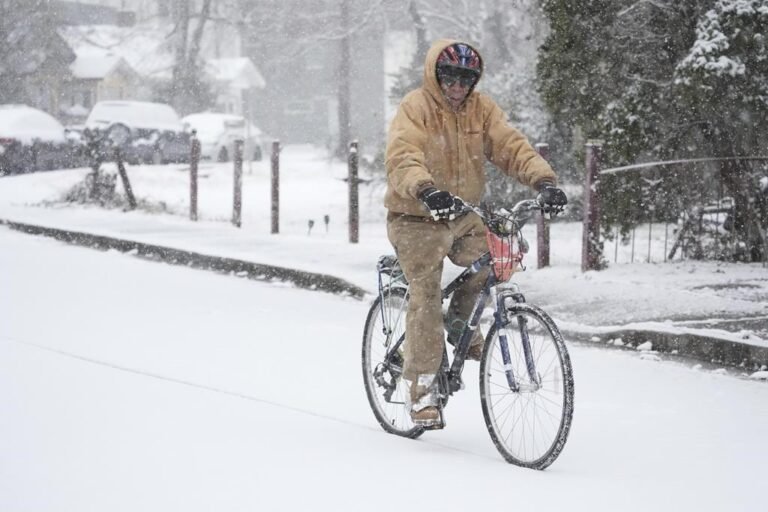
685	209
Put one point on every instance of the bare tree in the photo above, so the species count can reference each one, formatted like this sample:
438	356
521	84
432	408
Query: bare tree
29	46
188	90
286	32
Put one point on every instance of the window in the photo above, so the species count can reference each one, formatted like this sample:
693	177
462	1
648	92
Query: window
296	108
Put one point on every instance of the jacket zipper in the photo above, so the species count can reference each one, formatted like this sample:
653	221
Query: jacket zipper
458	154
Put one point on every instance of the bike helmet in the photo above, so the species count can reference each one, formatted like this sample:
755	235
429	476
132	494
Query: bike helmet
459	57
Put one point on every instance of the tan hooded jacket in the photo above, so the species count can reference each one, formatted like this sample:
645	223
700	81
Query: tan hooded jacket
430	143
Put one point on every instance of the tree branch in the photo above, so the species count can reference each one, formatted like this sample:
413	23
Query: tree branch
657	83
654	3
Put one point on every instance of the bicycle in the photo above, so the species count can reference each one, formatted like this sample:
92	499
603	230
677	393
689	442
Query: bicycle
526	378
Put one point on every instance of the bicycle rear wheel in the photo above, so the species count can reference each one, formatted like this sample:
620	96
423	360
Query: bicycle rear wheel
383	363
528	421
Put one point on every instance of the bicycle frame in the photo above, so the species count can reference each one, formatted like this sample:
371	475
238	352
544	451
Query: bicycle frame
451	376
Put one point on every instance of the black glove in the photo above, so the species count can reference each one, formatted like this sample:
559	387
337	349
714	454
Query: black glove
551	196
442	205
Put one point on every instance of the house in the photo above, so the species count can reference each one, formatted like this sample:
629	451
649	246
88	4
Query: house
98	76
236	81
43	87
140	60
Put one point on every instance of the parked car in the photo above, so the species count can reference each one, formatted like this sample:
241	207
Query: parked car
218	132
145	132
31	140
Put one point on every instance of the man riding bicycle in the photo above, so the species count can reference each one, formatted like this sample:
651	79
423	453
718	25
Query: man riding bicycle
436	148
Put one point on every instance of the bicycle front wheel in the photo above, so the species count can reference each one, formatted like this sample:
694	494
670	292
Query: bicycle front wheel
383	363
527	402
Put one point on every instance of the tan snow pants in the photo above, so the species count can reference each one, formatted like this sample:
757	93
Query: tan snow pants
421	245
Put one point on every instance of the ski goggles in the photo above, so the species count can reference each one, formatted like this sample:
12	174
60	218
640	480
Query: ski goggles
449	76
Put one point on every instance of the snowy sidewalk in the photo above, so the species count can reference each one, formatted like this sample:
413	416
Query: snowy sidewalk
705	302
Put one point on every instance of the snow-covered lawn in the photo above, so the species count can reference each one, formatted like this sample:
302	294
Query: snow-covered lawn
131	385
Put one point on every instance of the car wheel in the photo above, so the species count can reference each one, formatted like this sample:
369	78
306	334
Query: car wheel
223	155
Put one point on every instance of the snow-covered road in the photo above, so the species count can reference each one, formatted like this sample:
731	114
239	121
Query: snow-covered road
132	385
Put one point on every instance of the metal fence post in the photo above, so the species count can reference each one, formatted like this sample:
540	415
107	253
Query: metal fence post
542	224
194	159
590	248
238	202
276	186
354	197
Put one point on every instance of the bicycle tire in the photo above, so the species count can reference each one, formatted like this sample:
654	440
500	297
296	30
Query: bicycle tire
540	417
393	416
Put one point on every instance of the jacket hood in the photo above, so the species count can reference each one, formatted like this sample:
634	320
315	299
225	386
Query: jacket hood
430	69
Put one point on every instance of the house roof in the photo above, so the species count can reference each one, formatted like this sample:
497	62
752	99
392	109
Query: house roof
148	51
144	47
95	65
238	72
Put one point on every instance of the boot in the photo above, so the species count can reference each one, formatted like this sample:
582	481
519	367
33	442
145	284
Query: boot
428	417
423	405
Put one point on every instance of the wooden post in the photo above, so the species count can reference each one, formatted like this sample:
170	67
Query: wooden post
275	186
35	150
590	247
354	197
194	159
238	202
542	223
124	178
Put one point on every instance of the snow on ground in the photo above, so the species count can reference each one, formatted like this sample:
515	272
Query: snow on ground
132	385
680	296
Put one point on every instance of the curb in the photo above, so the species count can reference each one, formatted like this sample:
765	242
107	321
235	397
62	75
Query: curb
702	348
256	271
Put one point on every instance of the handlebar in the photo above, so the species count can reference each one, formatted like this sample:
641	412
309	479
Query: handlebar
508	222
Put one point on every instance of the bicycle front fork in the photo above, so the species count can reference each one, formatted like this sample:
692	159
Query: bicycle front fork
502	319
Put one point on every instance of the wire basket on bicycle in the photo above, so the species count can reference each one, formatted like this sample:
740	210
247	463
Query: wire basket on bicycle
506	253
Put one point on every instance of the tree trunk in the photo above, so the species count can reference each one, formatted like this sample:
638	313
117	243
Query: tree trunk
422	44
186	79
499	34
734	175
194	49
182	29
344	83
